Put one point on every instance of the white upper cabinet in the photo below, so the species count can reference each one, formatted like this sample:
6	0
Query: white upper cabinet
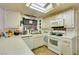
57	22
68	17
65	19
12	19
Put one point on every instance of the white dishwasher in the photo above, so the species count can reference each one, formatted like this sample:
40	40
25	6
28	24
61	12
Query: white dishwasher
45	39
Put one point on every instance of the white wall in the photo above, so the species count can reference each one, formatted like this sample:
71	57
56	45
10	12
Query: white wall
9	19
77	29
12	19
1	19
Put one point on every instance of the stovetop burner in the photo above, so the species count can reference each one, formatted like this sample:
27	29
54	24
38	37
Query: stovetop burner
56	34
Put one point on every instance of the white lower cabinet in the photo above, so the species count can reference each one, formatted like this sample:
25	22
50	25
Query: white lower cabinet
37	41
33	41
45	39
67	47
28	41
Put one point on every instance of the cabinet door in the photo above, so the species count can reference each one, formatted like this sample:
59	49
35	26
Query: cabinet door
37	41
29	42
68	17
66	47
55	23
61	22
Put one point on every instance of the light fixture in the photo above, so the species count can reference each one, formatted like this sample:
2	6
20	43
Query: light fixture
37	6
37	9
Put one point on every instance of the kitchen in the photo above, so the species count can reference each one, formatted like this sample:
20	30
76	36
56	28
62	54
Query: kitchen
51	29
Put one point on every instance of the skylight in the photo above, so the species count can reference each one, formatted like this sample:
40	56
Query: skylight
41	4
42	7
37	6
37	9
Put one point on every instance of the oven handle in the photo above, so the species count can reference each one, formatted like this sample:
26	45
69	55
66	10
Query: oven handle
54	38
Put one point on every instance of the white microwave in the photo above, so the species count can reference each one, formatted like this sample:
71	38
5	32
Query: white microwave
57	22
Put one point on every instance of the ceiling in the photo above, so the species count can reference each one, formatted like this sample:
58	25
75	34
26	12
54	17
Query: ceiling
22	8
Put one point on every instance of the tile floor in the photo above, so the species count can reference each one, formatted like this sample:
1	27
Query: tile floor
43	50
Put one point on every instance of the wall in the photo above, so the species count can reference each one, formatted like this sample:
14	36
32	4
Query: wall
1	19
9	19
12	19
77	29
46	24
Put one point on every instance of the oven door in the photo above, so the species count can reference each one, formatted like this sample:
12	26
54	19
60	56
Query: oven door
54	43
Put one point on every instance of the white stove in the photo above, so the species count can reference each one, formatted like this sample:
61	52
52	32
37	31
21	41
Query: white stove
54	42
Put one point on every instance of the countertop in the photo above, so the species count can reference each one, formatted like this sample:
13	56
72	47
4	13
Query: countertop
68	36
14	46
31	35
